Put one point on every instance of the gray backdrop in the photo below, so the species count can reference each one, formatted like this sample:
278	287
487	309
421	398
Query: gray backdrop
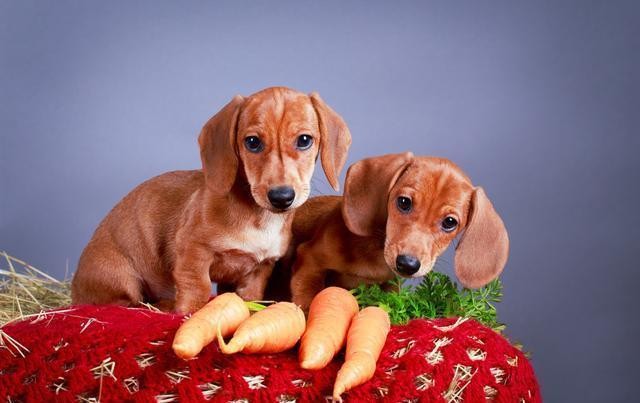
537	102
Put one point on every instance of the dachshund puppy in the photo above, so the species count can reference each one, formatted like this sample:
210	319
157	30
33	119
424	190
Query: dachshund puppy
229	222
397	215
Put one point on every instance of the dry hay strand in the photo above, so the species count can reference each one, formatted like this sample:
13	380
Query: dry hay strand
26	291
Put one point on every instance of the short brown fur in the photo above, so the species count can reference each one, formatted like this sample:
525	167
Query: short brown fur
172	235
355	239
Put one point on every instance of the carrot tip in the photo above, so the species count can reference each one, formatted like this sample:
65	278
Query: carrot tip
183	351
221	342
314	364
179	348
229	348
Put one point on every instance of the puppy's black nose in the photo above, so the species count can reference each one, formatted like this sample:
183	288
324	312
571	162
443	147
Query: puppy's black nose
281	197
407	264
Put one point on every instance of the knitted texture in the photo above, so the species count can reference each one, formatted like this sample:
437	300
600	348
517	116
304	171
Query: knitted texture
116	354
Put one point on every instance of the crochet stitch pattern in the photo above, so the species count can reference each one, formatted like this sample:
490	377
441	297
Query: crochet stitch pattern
116	354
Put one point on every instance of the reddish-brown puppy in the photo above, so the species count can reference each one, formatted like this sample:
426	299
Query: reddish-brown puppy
174	234
397	215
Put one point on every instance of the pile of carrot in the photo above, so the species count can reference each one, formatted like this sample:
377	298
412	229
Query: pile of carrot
273	329
334	320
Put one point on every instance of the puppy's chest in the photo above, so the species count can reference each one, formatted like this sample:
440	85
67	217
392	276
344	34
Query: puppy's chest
263	240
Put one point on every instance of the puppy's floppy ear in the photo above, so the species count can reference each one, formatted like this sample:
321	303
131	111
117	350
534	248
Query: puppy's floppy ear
484	247
218	149
366	191
334	142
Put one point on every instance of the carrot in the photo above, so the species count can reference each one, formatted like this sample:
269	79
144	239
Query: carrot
226	312
274	329
366	337
330	314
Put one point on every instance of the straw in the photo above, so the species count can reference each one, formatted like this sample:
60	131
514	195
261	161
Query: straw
26	291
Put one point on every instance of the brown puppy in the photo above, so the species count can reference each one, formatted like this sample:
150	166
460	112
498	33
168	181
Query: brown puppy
398	214
174	234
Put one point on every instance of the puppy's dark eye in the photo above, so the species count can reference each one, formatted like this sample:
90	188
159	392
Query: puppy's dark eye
304	142
253	144
404	204
449	224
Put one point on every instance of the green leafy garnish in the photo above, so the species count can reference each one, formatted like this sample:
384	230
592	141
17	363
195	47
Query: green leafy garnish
436	296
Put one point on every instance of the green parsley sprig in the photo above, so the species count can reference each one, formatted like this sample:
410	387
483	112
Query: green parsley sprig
436	296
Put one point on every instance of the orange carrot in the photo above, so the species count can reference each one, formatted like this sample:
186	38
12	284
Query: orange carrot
366	337
276	328
330	314
226	312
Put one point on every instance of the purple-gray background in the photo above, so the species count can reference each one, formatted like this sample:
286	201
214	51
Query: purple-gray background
538	102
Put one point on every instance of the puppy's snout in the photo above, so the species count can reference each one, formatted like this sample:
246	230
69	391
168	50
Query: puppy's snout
407	264
281	197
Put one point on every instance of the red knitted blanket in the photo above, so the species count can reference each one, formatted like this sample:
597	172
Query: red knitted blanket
115	354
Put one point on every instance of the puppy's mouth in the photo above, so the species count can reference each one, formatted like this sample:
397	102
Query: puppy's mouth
397	273
280	210
271	208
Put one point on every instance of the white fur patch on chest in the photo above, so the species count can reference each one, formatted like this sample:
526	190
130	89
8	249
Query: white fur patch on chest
263	241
